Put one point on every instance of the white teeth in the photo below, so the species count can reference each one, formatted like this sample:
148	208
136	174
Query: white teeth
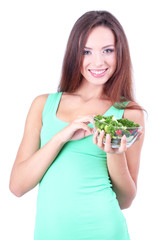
97	72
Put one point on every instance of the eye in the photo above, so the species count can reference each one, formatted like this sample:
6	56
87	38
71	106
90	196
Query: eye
86	52
108	50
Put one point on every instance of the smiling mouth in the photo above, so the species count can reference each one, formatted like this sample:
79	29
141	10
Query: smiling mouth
98	73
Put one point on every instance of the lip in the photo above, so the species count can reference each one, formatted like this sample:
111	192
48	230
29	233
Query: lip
98	72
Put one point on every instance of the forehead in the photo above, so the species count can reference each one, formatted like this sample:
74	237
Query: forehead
100	36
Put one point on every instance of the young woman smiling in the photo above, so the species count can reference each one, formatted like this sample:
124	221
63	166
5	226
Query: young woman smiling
83	183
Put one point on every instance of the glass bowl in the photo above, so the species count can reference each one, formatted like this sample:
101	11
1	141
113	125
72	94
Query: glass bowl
117	132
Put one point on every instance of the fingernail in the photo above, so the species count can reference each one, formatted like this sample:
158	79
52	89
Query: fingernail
124	138
102	131
108	136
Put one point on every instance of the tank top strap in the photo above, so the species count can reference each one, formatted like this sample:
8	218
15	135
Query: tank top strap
117	110
51	104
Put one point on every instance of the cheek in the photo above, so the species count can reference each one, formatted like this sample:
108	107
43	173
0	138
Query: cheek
113	62
84	66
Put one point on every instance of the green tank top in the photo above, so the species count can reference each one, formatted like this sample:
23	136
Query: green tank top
75	199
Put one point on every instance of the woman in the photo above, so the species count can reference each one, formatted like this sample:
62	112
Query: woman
82	186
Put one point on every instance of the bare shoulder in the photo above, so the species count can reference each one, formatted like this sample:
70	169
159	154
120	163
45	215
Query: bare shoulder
36	109
38	104
40	101
135	114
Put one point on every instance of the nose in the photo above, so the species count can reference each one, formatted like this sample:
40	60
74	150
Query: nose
98	59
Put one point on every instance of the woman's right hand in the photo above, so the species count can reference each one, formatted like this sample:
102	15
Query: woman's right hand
31	161
77	129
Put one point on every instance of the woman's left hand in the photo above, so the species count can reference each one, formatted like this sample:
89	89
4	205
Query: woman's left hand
107	145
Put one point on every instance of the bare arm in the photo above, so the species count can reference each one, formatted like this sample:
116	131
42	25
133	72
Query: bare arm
31	162
123	165
29	165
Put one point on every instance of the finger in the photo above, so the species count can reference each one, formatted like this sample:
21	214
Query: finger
95	135
123	146
85	119
139	136
87	129
108	147
91	132
81	126
100	139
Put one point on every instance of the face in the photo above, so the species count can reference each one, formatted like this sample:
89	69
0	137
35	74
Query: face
99	56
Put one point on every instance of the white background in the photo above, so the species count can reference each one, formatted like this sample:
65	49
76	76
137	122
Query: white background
33	36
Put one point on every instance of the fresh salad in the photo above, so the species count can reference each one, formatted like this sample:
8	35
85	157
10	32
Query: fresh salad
115	127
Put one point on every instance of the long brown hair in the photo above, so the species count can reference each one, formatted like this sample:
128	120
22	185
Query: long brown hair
119	87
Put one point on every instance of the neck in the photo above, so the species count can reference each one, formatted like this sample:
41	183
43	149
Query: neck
90	91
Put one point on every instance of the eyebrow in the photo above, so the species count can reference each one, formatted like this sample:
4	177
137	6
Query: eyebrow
110	45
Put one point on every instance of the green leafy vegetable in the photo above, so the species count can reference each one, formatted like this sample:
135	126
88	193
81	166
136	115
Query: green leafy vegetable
115	127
